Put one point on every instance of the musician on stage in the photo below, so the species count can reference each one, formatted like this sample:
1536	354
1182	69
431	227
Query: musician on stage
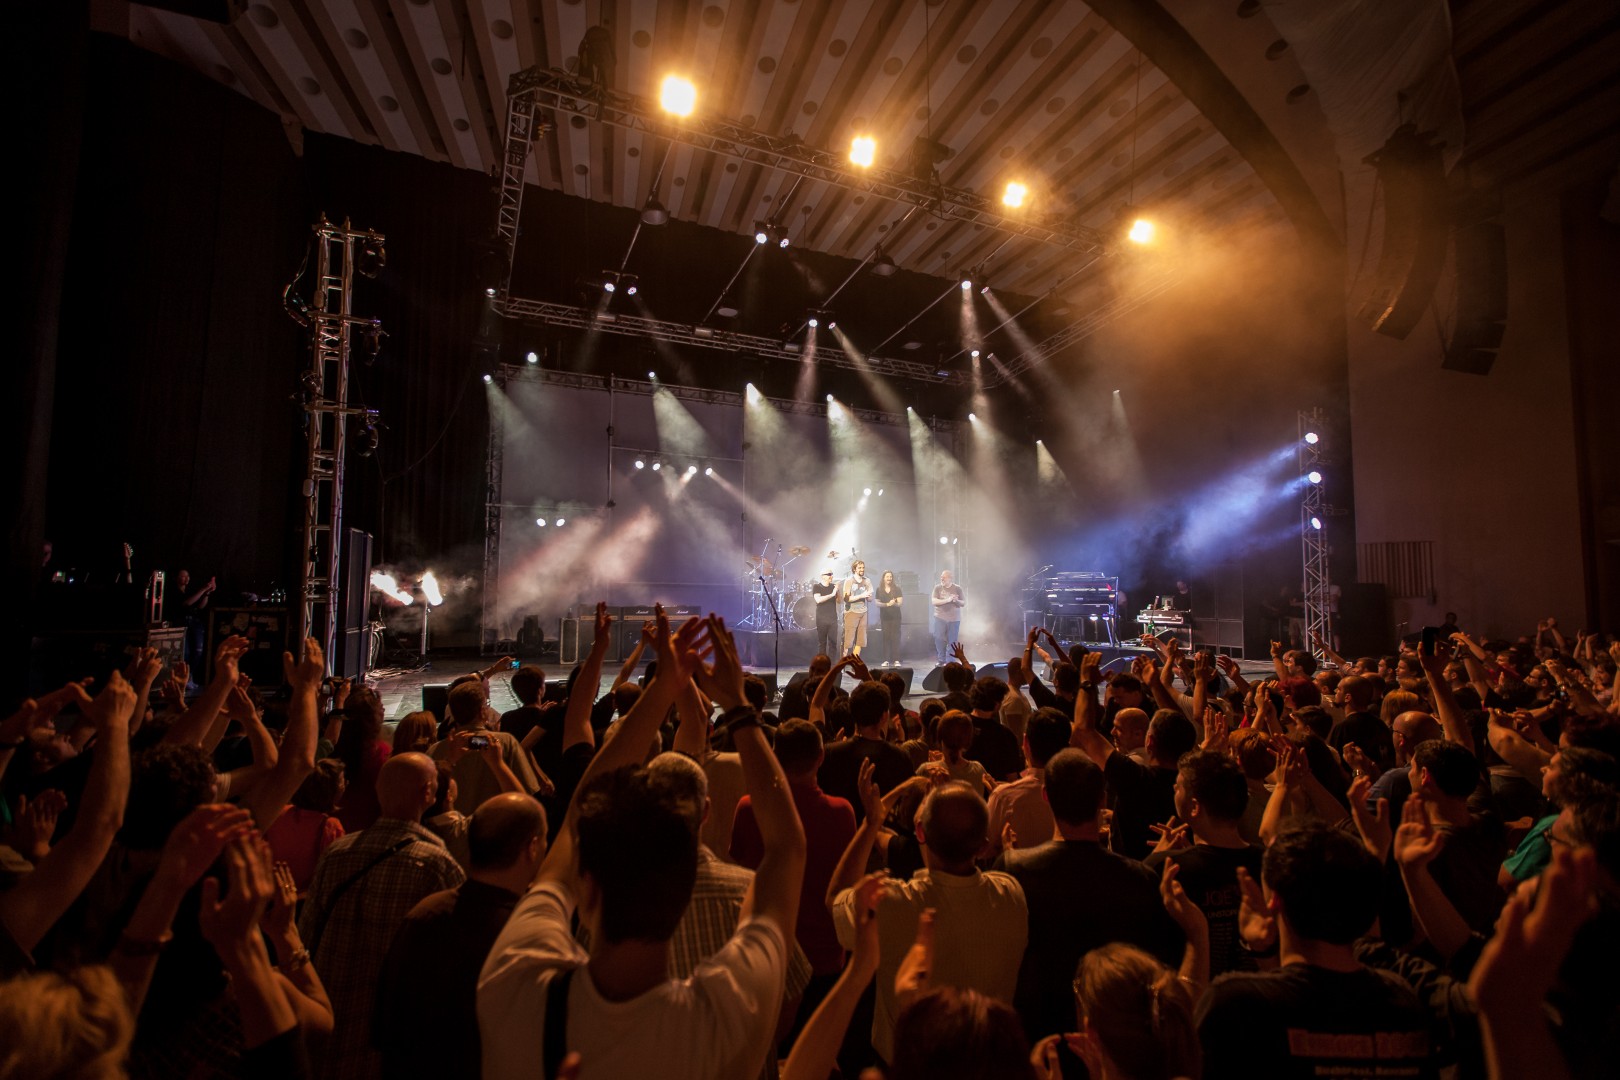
947	619
825	592
888	602
856	592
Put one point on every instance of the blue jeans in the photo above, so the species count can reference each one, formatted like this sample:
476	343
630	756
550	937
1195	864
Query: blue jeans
945	634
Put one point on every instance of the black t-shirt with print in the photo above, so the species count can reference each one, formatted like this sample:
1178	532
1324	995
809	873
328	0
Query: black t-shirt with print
1309	1023
1140	795
1209	875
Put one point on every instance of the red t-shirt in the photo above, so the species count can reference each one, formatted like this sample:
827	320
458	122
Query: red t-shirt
359	807
298	837
829	825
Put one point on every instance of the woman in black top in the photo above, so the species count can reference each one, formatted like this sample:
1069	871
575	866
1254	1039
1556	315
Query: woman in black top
888	602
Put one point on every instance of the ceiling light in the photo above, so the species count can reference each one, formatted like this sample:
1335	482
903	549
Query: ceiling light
866	491
677	95
489	378
1141	231
966	284
813	322
631	291
782	242
540	522
640	464
944	539
1014	195
863	151
654	212
974	354
831	325
973	417
760	234
657	465
708	471
609	286
533	358
690	469
561	522
653	375
882	265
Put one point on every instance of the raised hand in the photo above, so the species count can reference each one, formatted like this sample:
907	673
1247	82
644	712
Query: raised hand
871	797
868	891
310	668
1172	834
716	666
1178	905
1257	926
111	709
36	823
959	654
197	841
858	668
1417	842
1373	824
228	923
278	917
604	624
915	976
1533	933
1009	835
1215	730
1357	759
227	655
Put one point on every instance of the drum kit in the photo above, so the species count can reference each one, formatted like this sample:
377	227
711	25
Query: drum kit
770	585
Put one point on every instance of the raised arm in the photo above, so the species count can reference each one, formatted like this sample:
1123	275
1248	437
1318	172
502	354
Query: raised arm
852	863
818	700
1452	722
31	907
193	727
774	894
577	716
1327	652
815	1052
630	663
1084	736
296	758
1277	664
1416	844
239	707
692	728
627	744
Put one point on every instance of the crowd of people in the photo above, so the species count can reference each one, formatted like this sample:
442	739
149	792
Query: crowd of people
1398	866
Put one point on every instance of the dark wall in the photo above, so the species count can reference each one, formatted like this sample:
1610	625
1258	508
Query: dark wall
173	424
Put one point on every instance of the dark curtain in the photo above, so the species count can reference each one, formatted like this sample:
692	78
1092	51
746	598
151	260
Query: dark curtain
174	424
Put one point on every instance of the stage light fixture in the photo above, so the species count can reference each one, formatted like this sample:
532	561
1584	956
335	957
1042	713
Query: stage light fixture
1014	194
1312	438
880	493
882	265
677	95
954	539
630	290
691	469
541	522
373	257
533	358
984	290
829	397
489	290
944	539
654	212
813	323
489	378
640	464
782	243
974	354
1142	231
973	417
1316	523
761	232
561	522
831	325
652	376
863	150
609	286
966	284
709	471
866	491
657	465
1314	477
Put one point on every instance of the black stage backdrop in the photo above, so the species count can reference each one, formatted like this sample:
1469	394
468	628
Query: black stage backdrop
174	427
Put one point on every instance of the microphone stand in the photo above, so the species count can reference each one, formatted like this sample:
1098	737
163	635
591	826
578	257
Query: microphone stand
776	634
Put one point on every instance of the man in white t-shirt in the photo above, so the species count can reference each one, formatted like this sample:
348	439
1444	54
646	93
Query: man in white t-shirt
626	859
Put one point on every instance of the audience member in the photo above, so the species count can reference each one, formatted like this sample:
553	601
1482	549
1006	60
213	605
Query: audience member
364	886
476	780
841	764
994	746
1021	804
439	949
1079	895
309	824
362	751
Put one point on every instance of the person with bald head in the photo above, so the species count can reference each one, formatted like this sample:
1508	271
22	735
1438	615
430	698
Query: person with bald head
441	945
364	886
980	919
1409	730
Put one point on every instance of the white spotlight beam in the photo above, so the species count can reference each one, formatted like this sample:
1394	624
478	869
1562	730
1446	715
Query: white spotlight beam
1084	328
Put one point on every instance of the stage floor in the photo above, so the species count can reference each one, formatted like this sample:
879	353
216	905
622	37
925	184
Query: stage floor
401	691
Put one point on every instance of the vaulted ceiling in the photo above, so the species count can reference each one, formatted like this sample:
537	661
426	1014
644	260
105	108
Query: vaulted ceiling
1043	91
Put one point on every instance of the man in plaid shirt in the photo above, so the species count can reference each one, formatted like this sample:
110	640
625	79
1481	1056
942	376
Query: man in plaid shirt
365	885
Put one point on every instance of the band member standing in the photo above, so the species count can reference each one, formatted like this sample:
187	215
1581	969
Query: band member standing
947	601
826	593
888	602
856	592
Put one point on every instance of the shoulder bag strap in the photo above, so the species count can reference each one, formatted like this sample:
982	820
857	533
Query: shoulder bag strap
555	1044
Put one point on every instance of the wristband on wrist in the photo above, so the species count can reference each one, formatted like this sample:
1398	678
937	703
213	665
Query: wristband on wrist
734	720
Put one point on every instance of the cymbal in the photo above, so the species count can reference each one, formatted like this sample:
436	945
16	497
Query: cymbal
755	560
832	554
798	550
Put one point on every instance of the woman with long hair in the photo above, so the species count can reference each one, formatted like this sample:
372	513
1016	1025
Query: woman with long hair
889	598
1136	1019
416	732
310	823
362	751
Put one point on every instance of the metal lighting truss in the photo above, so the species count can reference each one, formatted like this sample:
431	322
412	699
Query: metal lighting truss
331	321
561	92
1313	541
728	340
494	463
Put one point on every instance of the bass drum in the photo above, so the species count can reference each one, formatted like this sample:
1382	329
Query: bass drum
804	612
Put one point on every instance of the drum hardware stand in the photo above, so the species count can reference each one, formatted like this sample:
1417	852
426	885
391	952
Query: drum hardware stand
776	634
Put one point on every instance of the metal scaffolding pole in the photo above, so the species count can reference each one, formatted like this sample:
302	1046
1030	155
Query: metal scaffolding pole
489	634
331	321
1313	535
